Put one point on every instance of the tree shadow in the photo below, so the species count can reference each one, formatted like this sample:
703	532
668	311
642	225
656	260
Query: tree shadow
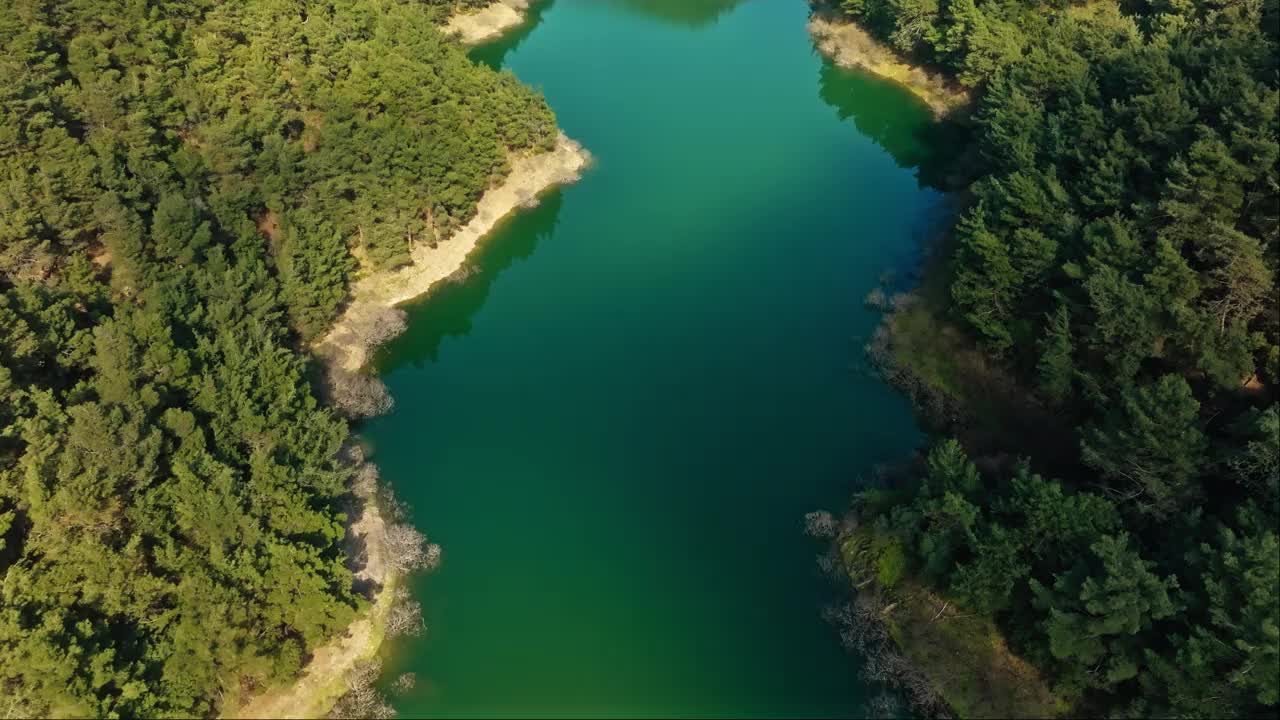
687	13
494	54
447	311
356	558
895	120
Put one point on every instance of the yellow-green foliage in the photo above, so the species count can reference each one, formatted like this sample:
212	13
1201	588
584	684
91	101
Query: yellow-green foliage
891	565
967	659
932	349
868	555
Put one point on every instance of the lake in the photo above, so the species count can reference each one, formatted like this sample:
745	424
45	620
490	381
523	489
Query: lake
616	424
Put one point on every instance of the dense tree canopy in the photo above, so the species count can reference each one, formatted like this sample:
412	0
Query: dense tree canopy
1187	627
185	191
1121	252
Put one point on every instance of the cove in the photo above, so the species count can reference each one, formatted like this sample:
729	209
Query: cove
616	423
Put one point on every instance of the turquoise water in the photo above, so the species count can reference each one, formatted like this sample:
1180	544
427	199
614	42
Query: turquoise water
616	424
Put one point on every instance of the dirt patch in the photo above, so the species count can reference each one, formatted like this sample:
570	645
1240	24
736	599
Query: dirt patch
100	256
477	26
269	227
850	46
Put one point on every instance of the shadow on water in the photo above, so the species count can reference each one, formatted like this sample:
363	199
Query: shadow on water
689	13
907	131
494	54
447	311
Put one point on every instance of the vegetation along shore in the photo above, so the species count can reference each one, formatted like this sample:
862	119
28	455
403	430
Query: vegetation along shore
185	528
478	21
1101	333
211	213
849	45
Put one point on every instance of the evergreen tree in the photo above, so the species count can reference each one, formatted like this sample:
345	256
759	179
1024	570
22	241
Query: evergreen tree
1151	445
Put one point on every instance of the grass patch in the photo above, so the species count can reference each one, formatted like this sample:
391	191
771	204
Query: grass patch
966	657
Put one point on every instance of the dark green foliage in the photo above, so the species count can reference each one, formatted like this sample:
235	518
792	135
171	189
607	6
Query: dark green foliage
1098	610
1121	254
1057	366
986	582
1130	176
1252	454
1151	445
1110	623
1225	665
184	184
939	524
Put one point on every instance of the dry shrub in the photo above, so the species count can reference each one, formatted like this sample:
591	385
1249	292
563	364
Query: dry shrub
877	299
405	617
820	524
408	549
364	482
862	630
404	683
361	699
356	394
377	324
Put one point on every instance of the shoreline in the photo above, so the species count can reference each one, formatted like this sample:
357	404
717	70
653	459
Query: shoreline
849	46
322	681
489	22
922	638
347	348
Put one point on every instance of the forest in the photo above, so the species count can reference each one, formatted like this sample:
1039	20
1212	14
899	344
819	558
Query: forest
188	189
1119	254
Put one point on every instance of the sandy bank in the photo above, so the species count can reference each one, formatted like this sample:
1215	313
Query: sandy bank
531	175
477	26
323	679
852	47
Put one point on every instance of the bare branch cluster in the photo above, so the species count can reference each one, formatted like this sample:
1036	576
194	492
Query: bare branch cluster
364	483
862	630
362	700
820	524
827	564
405	616
379	324
356	394
408	549
885	706
404	683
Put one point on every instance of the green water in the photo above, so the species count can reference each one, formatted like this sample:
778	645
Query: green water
615	426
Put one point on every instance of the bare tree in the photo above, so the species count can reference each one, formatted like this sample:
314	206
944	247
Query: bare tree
405	616
356	394
827	564
364	674
877	300
404	683
364	483
434	554
376	324
862	630
820	524
408	550
885	706
361	699
351	453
